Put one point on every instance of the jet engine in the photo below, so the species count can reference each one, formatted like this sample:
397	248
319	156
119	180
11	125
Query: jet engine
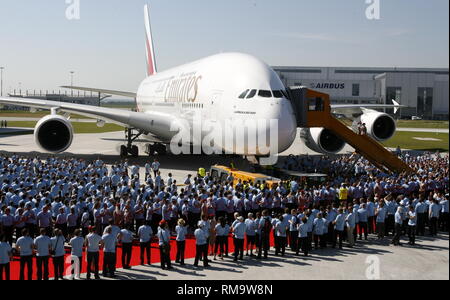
322	140
53	133
380	126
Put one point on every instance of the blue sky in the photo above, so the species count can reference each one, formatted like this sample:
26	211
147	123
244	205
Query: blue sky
39	46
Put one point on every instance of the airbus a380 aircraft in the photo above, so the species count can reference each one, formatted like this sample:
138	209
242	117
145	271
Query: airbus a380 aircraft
228	87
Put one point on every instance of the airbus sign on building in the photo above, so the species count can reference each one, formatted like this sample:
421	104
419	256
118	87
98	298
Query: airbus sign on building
423	90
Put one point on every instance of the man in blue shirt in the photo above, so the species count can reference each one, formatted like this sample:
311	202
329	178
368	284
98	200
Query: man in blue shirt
7	225
434	212
391	207
363	221
264	226
443	220
164	245
239	235
380	219
421	211
109	253
43	245
201	245
5	258
339	224
24	246
398	219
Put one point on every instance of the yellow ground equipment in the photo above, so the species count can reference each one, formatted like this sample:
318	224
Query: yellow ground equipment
221	173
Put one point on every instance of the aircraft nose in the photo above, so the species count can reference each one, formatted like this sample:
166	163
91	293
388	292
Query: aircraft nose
287	126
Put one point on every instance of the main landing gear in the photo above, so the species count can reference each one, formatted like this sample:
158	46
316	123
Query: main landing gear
129	149
159	148
132	150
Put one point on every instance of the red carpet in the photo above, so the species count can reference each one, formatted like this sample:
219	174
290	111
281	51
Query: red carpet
135	261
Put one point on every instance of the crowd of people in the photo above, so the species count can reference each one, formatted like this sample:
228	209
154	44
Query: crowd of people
53	204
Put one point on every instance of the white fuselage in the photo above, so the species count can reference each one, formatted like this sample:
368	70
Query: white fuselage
210	88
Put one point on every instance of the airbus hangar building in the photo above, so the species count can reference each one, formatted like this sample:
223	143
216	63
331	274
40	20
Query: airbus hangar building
423	90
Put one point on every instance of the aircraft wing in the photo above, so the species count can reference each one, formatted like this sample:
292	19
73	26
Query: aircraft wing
102	91
346	108
150	123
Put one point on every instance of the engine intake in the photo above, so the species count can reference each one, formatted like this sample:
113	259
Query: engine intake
322	140
380	126
53	133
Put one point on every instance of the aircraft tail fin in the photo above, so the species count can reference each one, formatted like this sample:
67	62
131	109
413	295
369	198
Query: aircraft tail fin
150	51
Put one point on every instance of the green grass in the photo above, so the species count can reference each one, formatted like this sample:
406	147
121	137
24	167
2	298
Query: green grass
415	124
78	127
422	124
406	141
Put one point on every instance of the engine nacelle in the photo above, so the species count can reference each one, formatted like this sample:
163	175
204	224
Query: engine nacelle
380	126
53	133
322	140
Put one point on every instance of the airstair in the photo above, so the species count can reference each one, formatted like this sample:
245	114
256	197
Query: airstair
313	110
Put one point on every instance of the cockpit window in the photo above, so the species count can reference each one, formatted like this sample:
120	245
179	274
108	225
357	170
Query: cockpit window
285	94
265	94
251	94
242	96
277	94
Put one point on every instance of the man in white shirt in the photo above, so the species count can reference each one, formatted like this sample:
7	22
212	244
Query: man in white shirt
7	223
239	235
126	237
201	245
58	252
412	223
145	234
109	253
5	258
398	219
77	243
43	246
24	246
155	167
92	243
44	219
433	215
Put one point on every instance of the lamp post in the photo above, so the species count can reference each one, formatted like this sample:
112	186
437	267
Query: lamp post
71	80
1	81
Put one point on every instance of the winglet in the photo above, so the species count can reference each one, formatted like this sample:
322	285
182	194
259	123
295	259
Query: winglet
150	52
397	106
